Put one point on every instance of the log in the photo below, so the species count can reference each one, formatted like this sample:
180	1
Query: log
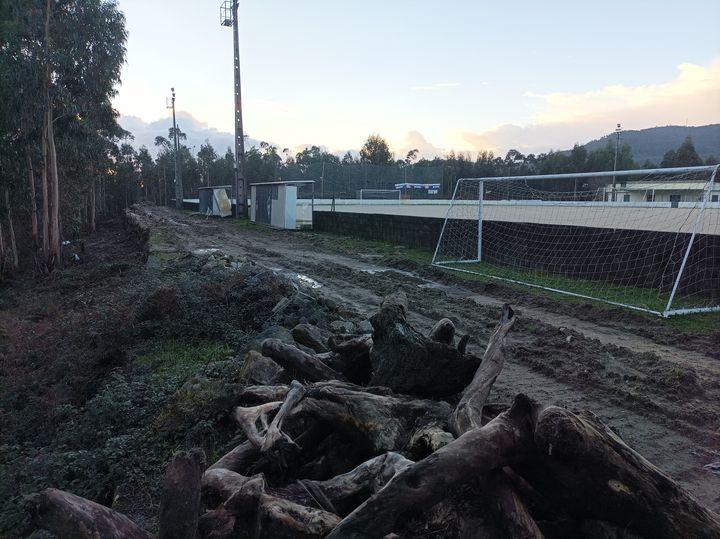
312	337
219	484
351	356
443	332
298	362
588	469
408	362
468	413
268	435
350	344
503	441
247	418
274	432
462	344
260	514
180	501
348	490
72	517
428	439
377	423
510	510
239	458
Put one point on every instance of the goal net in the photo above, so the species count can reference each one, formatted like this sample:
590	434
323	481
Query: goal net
379	194
644	239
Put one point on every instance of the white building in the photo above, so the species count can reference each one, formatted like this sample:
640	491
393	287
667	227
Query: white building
674	192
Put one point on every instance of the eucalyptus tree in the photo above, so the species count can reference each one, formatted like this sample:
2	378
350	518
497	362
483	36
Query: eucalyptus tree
60	63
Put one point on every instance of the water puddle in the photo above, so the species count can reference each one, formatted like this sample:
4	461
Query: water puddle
308	282
205	252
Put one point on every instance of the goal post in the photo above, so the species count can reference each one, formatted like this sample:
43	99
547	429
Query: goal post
643	239
379	194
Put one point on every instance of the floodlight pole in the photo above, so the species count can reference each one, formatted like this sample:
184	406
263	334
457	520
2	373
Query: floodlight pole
178	177
240	180
618	129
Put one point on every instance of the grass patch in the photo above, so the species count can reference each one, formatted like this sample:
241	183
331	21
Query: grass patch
176	360
647	298
703	323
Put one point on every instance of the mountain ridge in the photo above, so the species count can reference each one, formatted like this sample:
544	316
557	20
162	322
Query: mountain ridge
651	144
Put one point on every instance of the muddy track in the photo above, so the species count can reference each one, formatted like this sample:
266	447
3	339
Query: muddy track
660	398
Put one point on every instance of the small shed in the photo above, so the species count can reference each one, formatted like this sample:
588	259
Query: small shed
215	200
276	204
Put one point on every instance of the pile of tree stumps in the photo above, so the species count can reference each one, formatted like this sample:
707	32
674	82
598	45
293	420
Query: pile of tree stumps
391	435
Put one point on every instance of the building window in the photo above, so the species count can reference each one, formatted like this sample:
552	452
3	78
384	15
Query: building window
626	198
714	198
650	197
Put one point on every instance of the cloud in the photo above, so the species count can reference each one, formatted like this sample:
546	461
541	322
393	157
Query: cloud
415	140
562	119
436	86
197	132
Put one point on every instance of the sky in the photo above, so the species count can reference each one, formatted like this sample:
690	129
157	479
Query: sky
456	75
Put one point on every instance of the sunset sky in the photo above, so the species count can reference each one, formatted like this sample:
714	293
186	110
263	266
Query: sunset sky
460	75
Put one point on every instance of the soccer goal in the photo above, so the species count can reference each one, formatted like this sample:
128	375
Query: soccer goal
644	239
379	194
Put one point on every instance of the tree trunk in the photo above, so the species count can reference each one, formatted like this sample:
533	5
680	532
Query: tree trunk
180	502
53	252
2	251
33	203
45	196
55	248
92	206
11	231
69	516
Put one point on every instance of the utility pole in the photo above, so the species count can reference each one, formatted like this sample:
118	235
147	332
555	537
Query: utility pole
178	175
228	16
618	129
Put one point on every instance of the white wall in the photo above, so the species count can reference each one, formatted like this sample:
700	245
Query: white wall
640	215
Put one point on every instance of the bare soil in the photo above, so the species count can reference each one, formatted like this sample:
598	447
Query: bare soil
659	389
80	409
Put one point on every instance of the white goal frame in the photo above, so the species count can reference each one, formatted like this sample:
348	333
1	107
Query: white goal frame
362	191
702	204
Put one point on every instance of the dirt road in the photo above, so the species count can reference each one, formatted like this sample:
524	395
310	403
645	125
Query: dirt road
663	400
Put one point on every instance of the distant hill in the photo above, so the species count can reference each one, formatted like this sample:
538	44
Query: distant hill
651	144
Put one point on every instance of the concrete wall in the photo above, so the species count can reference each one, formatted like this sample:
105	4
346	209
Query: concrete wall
651	216
417	232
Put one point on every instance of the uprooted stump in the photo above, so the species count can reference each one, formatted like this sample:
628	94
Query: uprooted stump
386	454
407	361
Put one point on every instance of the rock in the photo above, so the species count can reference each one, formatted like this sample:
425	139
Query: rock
199	398
258	369
223	370
364	327
342	326
273	332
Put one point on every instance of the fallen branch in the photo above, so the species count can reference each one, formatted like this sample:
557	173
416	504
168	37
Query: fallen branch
468	413
298	362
